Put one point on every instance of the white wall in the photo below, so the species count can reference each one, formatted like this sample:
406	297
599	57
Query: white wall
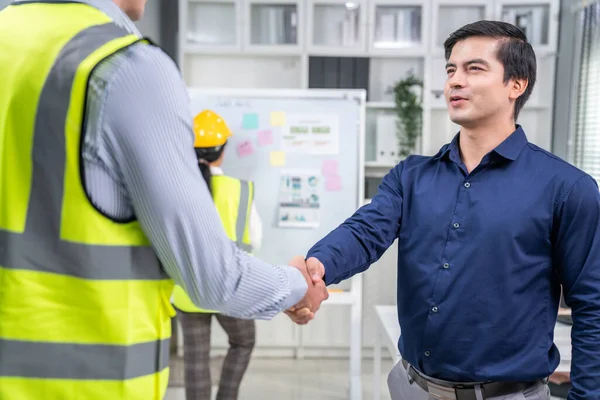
149	25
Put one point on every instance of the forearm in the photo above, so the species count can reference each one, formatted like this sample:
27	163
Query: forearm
214	272
342	254
585	363
365	236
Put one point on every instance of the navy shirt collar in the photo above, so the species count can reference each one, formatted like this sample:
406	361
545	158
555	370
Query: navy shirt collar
509	149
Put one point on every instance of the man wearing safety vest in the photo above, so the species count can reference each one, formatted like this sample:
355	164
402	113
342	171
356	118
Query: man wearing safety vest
234	202
103	209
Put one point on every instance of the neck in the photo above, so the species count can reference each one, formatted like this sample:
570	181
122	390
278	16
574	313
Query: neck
476	142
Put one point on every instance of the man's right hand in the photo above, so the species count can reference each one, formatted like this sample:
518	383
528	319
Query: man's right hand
305	310
316	269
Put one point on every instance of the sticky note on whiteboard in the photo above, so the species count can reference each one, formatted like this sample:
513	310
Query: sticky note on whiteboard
250	121
333	183
245	148
265	137
277	158
329	167
278	118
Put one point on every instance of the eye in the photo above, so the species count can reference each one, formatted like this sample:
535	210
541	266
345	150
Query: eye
473	68
449	71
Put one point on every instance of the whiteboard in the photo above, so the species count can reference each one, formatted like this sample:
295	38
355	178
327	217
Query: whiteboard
262	149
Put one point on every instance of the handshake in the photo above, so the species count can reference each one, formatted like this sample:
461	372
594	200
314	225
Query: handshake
313	271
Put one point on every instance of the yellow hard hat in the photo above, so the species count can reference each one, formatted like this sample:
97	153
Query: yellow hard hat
210	130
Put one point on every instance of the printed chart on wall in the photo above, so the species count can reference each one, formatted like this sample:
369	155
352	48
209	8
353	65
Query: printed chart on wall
311	134
299	198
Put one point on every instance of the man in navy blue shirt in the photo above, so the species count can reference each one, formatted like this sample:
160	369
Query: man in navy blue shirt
488	229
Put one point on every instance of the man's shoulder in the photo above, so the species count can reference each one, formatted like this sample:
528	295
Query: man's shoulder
555	165
416	161
557	172
139	60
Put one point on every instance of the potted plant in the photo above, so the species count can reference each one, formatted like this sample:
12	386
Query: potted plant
408	99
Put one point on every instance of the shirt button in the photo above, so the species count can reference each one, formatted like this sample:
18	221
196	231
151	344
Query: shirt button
427	353
467	185
435	309
446	265
456	225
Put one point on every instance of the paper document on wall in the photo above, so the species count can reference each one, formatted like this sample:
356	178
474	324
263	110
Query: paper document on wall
311	134
299	198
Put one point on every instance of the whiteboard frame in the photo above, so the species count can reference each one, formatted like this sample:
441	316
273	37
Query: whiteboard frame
354	297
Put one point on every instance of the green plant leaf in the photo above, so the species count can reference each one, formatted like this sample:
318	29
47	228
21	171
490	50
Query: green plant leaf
409	111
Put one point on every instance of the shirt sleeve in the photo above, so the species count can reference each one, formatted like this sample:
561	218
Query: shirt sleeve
363	238
149	131
577	256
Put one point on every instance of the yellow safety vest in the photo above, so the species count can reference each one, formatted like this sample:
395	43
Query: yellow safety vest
85	309
233	199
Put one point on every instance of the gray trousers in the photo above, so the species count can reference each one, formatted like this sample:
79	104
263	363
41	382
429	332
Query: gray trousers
401	389
196	354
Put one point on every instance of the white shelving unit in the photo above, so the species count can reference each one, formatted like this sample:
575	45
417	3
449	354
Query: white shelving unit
398	27
268	43
336	27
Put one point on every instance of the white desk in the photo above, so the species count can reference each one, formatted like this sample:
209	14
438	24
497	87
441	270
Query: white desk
562	340
354	300
388	333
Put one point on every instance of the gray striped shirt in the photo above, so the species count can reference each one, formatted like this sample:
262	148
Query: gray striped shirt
139	162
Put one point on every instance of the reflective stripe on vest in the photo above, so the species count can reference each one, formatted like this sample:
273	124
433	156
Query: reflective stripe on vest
242	221
84	301
227	192
233	199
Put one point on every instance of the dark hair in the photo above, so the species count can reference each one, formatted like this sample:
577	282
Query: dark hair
205	156
514	52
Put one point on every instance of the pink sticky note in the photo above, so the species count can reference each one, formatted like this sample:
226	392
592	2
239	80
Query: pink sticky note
265	138
329	167
333	183
245	148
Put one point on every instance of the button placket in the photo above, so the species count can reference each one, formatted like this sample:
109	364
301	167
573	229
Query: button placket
441	285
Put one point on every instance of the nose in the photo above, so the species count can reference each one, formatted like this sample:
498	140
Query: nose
456	80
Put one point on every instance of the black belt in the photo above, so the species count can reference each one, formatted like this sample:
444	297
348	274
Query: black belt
465	391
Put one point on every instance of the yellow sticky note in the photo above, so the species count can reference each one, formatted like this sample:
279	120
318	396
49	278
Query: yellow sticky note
277	158
277	118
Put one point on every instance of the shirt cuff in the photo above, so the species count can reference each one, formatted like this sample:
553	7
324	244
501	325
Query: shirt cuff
326	261
298	287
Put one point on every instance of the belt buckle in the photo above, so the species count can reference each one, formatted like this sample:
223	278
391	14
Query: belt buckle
440	392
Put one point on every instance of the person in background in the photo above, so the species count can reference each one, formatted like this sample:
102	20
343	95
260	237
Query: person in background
488	230
233	200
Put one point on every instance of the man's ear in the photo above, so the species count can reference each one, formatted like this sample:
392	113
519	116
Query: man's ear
517	88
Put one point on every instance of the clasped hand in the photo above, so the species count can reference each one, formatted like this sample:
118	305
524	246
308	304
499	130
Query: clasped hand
313	271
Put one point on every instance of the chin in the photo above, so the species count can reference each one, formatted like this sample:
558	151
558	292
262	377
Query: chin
460	119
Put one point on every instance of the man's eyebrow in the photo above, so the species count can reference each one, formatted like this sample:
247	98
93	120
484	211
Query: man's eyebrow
467	63
478	61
